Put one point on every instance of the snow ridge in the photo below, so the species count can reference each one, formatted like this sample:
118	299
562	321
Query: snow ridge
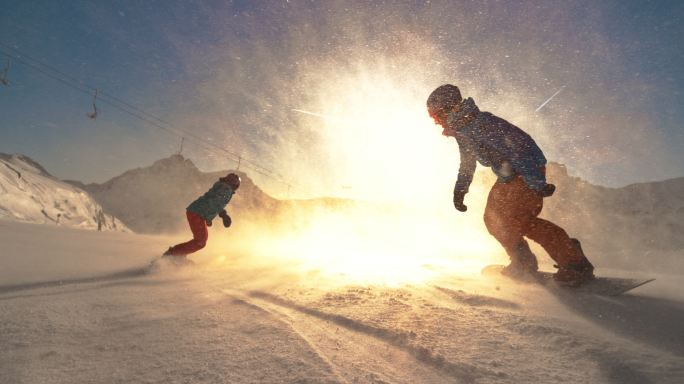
28	193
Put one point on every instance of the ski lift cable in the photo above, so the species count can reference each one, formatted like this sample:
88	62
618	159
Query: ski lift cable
126	108
80	88
65	78
107	95
122	102
138	113
114	100
80	82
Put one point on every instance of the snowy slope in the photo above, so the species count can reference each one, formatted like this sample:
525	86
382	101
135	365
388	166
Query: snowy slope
29	193
241	317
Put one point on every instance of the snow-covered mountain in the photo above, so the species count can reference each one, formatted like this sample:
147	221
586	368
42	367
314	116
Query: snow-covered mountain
153	199
28	193
629	227
636	226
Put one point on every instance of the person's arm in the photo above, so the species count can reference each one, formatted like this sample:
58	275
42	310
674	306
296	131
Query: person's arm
466	170
226	219
210	197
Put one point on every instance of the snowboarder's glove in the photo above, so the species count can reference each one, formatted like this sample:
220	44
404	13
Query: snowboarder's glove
208	223
458	201
548	190
226	219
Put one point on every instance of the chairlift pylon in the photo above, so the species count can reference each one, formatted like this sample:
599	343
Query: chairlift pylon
93	115
3	78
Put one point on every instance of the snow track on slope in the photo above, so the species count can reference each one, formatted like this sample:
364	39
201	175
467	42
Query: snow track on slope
363	351
148	330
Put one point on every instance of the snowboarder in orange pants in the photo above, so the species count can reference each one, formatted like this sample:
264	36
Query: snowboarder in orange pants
516	199
203	210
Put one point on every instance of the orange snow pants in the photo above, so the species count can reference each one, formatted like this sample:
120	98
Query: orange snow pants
198	226
511	214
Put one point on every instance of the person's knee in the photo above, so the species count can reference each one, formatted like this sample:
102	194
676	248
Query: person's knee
504	235
495	226
543	231
490	222
509	240
200	243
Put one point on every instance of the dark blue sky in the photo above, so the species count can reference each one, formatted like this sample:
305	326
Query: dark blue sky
618	120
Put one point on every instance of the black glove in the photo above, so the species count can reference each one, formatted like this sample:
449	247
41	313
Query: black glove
458	201
226	219
548	190
208	223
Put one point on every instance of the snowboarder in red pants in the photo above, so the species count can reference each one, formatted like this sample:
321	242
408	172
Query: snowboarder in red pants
515	201
202	211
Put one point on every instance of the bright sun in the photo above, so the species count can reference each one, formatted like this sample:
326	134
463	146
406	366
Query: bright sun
379	138
388	246
382	145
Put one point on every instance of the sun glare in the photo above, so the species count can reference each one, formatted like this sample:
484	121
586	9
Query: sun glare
382	146
389	246
380	142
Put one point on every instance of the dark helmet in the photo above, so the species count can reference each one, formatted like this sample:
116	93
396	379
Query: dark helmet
443	98
233	180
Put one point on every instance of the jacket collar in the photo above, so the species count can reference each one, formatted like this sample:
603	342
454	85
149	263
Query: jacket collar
457	120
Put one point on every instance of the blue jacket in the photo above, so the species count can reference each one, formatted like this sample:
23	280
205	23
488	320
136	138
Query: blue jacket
495	143
213	201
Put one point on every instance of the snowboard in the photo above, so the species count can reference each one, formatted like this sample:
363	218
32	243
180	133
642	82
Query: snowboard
603	286
169	261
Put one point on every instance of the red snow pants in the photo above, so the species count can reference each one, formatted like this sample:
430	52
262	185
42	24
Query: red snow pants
198	226
511	214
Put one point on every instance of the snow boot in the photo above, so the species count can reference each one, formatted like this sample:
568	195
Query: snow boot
177	260
523	264
575	273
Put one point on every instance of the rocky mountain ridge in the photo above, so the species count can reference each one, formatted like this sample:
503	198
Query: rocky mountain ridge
635	223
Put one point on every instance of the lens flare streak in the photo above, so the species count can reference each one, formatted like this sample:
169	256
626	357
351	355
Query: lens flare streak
327	117
549	99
